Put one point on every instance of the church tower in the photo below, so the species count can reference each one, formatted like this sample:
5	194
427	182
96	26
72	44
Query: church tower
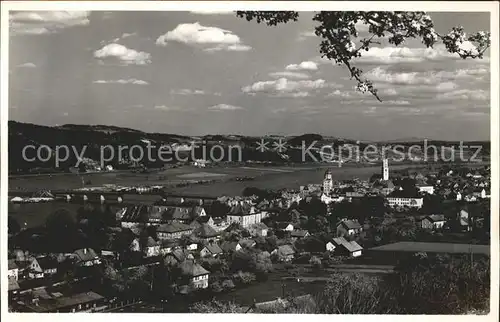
327	183
385	169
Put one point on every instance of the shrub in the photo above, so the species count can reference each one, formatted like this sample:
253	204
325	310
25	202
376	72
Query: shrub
228	284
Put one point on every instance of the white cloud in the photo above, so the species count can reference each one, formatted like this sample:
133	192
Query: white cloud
382	75
225	107
344	94
27	65
122	81
305	65
390	55
196	34
465	94
401	102
285	86
187	91
123	54
290	75
45	22
168	108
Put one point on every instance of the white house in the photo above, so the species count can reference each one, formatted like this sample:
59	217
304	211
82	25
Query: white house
404	201
13	269
429	189
433	222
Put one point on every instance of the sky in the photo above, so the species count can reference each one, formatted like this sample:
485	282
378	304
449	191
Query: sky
198	73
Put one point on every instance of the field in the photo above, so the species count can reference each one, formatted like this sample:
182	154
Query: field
414	247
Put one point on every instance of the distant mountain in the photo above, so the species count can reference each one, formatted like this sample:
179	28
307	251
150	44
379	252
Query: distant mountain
95	137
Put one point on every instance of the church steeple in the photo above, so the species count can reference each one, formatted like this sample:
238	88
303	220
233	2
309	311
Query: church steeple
328	182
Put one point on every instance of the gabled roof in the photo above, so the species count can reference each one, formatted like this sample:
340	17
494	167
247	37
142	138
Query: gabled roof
47	262
192	269
206	231
350	224
213	248
151	242
282	225
299	233
229	246
85	254
435	218
259	225
240	210
246	242
173	227
351	246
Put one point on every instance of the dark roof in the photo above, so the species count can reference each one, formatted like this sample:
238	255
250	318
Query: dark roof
246	242
213	248
12	264
169	243
151	242
299	233
206	231
192	269
350	224
47	262
435	218
259	225
85	254
240	210
173	227
229	246
282	225
54	304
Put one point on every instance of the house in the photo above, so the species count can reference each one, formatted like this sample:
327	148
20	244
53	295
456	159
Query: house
194	276
298	234
178	256
230	247
184	214
284	253
245	214
348	228
56	302
34	269
258	229
211	250
284	226
151	248
246	243
86	257
425	188
341	246
412	202
48	265
13	270
167	246
433	222
205	232
202	220
173	230
140	215
13	286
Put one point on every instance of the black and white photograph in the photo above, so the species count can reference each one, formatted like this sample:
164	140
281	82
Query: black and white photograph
250	158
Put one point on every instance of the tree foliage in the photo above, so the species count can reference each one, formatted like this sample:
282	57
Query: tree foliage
341	43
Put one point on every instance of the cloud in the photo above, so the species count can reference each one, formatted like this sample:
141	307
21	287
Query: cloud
305	35
465	94
289	75
196	34
391	55
401	102
45	22
229	48
285	86
187	91
27	65
225	107
122	81
345	94
382	75
212	12
305	65
168	108
123	54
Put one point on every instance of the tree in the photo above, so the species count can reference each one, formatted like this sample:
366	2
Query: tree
13	226
339	31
